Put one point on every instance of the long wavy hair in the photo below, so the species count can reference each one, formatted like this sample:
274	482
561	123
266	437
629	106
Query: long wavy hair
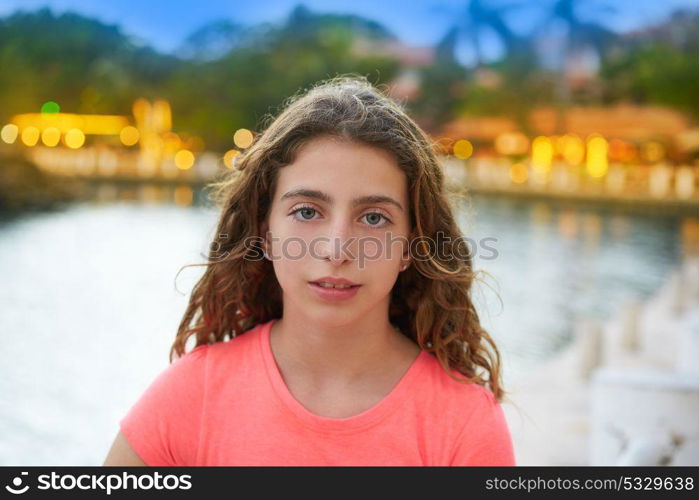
431	300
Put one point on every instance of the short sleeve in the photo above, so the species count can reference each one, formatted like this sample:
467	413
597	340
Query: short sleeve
163	425
485	440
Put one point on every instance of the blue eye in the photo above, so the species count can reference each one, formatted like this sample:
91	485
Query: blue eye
376	216
379	217
303	209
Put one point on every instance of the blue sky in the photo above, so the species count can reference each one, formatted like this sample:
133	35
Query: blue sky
165	24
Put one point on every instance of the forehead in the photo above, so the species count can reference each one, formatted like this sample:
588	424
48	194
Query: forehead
340	166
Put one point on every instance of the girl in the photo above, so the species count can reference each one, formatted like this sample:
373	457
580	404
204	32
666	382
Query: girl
333	324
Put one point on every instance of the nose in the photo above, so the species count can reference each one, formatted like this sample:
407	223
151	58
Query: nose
337	245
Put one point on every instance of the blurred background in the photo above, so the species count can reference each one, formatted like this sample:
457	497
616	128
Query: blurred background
572	126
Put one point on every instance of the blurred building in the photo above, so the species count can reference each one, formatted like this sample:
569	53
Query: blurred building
406	86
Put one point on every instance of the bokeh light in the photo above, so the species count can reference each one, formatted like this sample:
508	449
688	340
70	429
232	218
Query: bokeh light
571	148
542	154
74	138
519	173
50	107
9	133
597	162
243	138
30	135
184	159
229	158
653	151
512	143
171	143
50	136
129	135
463	149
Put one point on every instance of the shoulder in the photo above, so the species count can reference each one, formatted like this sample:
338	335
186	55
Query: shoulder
193	365
465	421
162	425
479	434
156	425
228	360
460	396
241	346
485	437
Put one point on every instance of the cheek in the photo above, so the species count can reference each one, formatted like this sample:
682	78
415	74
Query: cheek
381	252
387	246
380	275
288	244
291	255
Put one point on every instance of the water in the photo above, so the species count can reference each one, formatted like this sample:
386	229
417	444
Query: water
557	265
89	306
89	309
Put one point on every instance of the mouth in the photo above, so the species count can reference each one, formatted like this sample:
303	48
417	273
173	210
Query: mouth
330	286
333	293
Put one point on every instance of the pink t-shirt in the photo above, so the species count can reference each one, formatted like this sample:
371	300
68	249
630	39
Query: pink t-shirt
227	404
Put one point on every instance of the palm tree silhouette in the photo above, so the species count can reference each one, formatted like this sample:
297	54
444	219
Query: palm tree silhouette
580	36
479	16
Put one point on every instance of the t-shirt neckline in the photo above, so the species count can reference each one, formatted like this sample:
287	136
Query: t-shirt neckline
390	403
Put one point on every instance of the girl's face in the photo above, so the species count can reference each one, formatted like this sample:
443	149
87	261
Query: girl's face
339	210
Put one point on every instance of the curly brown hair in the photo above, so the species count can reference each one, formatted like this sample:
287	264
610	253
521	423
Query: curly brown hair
430	302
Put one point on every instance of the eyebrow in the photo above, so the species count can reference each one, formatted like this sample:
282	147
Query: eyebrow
319	195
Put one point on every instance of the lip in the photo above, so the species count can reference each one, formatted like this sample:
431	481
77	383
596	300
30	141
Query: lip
334	294
335	281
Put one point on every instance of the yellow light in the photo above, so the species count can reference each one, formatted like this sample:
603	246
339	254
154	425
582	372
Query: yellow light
242	138
141	109
572	149
511	143
30	136
89	124
597	163
542	154
184	159
519	173
559	142
653	151
463	149
9	133
162	116
152	143
129	135
171	142
229	158
74	138
51	136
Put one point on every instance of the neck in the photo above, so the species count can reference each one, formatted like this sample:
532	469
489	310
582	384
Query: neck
338	352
